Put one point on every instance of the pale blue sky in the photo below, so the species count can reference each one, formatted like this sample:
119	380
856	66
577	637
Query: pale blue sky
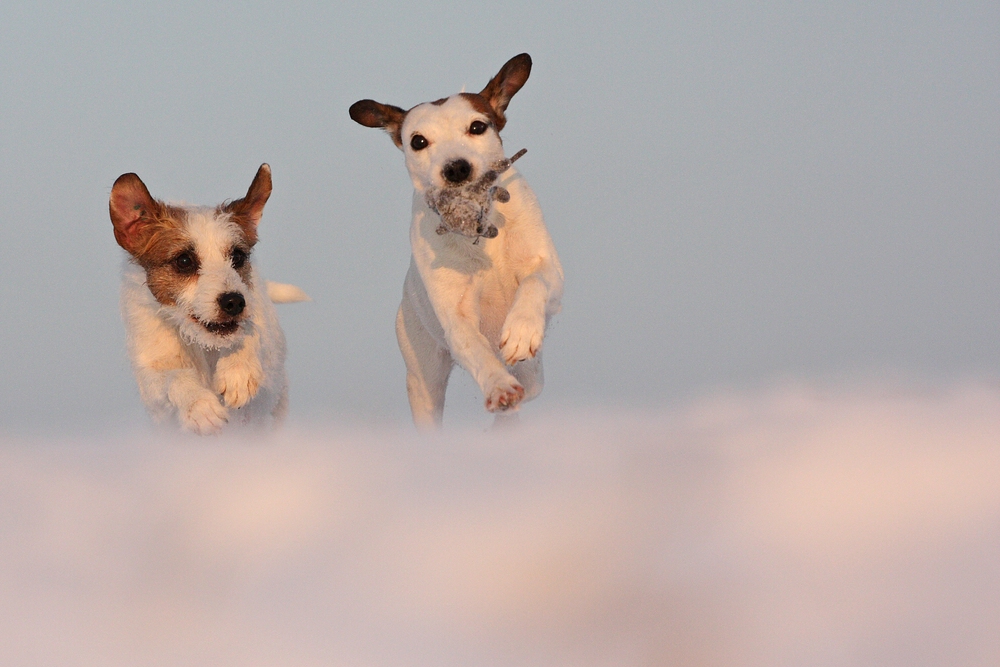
739	192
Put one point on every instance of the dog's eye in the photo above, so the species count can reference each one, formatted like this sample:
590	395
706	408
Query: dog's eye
418	142
239	258
185	263
478	127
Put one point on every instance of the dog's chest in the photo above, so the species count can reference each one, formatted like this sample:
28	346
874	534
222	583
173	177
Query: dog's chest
477	279
495	299
205	361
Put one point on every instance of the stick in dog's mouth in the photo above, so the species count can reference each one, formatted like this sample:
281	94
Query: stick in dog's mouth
465	208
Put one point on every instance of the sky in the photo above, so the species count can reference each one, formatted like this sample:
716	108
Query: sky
740	193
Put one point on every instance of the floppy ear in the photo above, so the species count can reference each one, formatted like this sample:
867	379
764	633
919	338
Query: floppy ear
247	211
132	210
372	114
505	84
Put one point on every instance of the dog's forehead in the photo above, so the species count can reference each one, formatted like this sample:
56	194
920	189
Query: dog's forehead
212	234
457	110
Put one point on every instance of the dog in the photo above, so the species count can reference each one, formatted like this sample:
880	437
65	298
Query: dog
202	331
483	295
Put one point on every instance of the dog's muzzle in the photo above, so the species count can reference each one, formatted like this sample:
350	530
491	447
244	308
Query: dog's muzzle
231	307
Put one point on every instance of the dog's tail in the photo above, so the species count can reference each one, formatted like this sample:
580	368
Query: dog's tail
282	293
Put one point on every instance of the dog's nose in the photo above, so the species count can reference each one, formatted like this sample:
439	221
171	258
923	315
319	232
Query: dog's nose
457	171
232	303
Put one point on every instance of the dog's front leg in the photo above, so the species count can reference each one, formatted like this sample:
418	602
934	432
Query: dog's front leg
537	298
239	373
470	348
501	390
198	409
170	376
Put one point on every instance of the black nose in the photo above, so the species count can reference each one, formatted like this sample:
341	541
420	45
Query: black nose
232	303
457	171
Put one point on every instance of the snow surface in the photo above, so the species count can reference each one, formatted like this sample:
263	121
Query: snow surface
800	526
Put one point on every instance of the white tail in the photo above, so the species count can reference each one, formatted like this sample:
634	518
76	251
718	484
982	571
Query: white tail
282	293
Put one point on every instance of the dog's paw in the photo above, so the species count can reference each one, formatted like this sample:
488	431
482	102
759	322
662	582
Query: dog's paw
237	383
204	415
521	338
505	395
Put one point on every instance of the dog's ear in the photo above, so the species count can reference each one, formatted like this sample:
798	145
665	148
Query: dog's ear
132	210
372	114
247	211
505	84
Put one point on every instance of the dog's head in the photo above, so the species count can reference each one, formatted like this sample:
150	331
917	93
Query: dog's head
196	259
453	140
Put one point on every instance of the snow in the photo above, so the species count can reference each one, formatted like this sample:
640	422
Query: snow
796	526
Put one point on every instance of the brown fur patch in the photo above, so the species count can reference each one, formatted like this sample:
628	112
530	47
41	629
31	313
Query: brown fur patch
164	239
248	230
511	77
132	208
479	103
247	210
373	114
244	271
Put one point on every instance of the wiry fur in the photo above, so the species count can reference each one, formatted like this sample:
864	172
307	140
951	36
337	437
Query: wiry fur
194	360
485	304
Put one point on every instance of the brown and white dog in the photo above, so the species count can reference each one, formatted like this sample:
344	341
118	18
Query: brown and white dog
202	331
479	300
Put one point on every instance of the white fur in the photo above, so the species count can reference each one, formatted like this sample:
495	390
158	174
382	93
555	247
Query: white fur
202	379
484	305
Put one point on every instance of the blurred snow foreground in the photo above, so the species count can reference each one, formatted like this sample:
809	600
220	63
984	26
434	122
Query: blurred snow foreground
797	527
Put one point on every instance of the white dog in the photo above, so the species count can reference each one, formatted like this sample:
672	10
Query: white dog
202	330
483	295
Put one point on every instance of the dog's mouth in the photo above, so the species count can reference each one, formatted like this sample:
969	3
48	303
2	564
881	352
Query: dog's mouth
221	328
464	205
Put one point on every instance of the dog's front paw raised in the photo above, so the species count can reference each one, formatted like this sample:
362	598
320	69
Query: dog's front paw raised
237	382
521	338
204	415
504	395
